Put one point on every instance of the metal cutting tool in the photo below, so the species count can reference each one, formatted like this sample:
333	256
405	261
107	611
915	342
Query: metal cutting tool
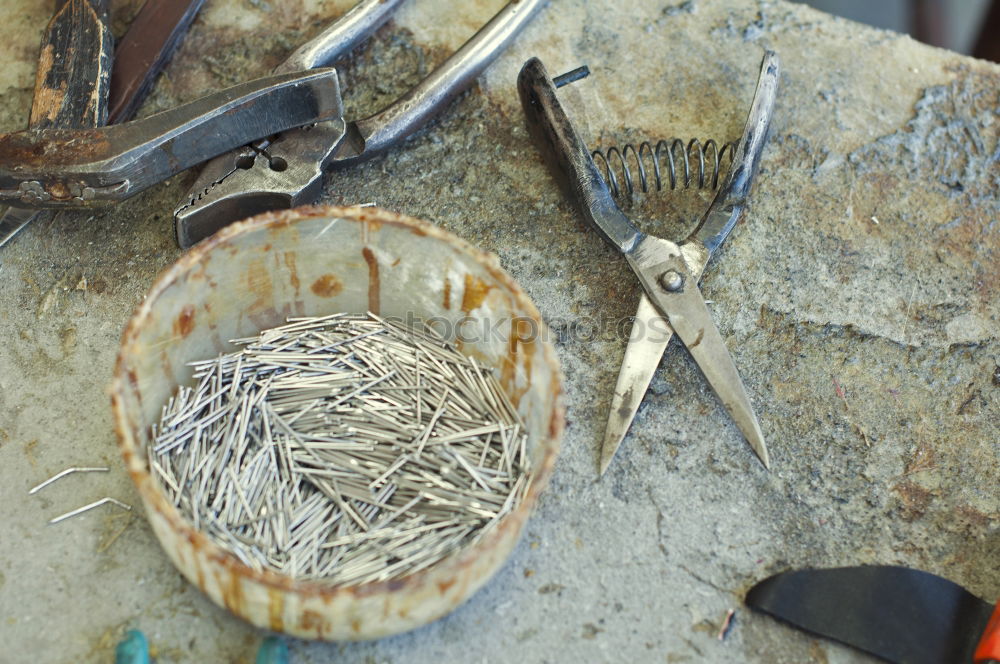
76	163
667	271
895	613
80	168
79	85
287	169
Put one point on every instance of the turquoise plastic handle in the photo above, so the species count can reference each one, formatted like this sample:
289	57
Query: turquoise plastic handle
273	651
133	649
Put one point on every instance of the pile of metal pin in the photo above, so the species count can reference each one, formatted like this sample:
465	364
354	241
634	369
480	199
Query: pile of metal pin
347	448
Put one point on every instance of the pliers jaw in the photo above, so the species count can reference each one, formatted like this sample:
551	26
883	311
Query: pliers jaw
227	192
268	175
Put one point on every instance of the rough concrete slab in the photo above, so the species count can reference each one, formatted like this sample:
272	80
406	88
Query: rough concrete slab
858	297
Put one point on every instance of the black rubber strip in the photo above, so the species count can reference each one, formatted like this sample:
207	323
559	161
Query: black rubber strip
902	615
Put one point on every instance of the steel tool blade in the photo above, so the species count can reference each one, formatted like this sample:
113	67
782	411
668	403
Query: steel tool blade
692	322
58	168
239	184
648	340
669	274
652	258
896	613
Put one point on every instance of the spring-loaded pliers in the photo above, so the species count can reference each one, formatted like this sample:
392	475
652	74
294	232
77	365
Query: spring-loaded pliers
287	170
668	272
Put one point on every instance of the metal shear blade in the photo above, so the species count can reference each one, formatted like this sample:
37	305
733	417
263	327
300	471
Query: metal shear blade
287	169
668	272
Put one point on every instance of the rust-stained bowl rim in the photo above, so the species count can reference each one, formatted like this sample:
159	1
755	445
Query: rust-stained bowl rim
137	466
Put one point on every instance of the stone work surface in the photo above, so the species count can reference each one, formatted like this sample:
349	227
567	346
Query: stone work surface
858	296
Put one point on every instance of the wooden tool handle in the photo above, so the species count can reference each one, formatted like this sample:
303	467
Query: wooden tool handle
74	68
144	50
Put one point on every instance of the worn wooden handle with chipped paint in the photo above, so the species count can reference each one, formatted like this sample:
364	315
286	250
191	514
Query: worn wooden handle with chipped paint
74	68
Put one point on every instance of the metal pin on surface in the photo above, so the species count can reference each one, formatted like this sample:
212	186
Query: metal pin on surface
571	76
86	508
64	473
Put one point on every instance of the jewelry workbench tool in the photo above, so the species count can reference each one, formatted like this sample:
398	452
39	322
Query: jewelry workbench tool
668	272
53	166
73	168
287	170
77	85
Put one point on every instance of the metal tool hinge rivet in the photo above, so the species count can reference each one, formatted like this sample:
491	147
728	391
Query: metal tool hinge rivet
671	281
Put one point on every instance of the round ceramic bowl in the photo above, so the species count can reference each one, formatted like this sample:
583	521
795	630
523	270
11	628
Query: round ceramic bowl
315	261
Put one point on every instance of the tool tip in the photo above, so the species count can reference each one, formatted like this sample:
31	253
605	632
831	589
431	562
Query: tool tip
612	439
761	451
750	427
603	466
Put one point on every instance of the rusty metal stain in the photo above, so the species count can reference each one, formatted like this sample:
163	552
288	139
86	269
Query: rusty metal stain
327	285
475	292
697	339
374	287
446	302
527	359
312	621
59	191
275	609
259	283
293	271
184	322
231	587
134	381
513	337
372	222
73	146
520	347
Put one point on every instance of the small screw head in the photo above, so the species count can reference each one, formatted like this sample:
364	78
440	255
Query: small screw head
671	281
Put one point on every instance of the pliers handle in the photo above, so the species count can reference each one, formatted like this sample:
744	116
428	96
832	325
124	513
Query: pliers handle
430	96
565	149
72	168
